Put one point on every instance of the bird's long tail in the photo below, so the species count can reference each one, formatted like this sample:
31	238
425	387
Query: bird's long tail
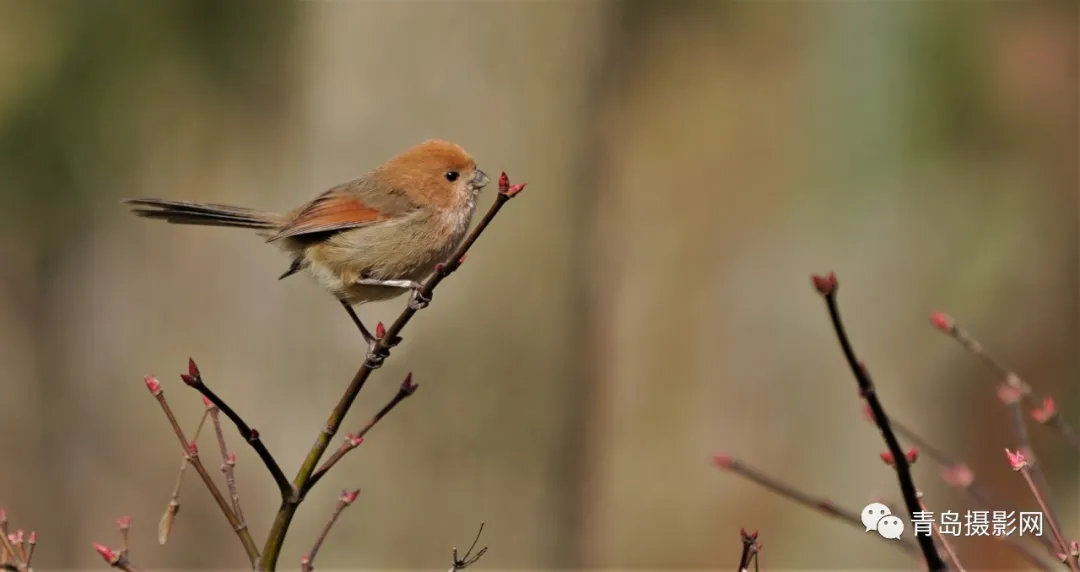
184	212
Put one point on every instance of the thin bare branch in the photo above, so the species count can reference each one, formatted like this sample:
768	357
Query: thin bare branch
946	325
406	389
827	286
958	474
345	499
750	549
169	516
195	380
1018	462
942	538
123	526
822	505
191	454
7	548
228	460
463	562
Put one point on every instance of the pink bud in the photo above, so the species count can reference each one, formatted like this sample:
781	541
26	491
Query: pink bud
504	183
868	413
941	321
194	448
960	476
723	460
353	440
33	537
231	459
440	268
1008	395
193	370
19	537
1016	460
206	401
3	515
124	522
407	385
1047	412
189	379
912	454
153	385
888	458
348	497
105	552
462	259
514	190
380	330
825	285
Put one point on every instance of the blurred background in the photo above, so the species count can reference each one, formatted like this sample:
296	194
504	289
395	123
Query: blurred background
643	305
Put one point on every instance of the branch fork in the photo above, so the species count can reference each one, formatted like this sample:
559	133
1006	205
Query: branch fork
311	471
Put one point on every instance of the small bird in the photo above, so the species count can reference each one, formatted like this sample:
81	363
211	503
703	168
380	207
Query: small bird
366	240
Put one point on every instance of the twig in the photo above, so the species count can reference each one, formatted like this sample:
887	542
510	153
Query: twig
345	499
31	543
167	518
944	541
1011	396
828	286
1074	553
829	508
117	560
228	460
959	475
123	526
6	547
1019	463
353	439
18	540
378	353
1047	414
469	559
191	454
194	379
750	549
946	325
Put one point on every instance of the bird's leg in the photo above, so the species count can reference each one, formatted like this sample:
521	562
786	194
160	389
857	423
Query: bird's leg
368	338
418	300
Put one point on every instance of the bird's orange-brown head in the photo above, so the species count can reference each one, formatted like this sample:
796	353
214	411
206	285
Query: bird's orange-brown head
437	173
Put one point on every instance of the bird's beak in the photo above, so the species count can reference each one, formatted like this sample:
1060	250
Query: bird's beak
480	179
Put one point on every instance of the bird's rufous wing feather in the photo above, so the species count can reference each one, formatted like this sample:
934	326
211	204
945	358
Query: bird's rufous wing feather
339	208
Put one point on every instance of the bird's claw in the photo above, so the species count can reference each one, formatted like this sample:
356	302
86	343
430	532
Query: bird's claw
376	354
419	301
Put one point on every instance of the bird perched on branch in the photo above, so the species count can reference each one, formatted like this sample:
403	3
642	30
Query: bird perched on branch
366	240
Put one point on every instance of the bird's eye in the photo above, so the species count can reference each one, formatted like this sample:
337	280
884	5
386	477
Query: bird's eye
452	176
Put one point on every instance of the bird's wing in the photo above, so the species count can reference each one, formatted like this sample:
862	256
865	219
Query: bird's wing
346	206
